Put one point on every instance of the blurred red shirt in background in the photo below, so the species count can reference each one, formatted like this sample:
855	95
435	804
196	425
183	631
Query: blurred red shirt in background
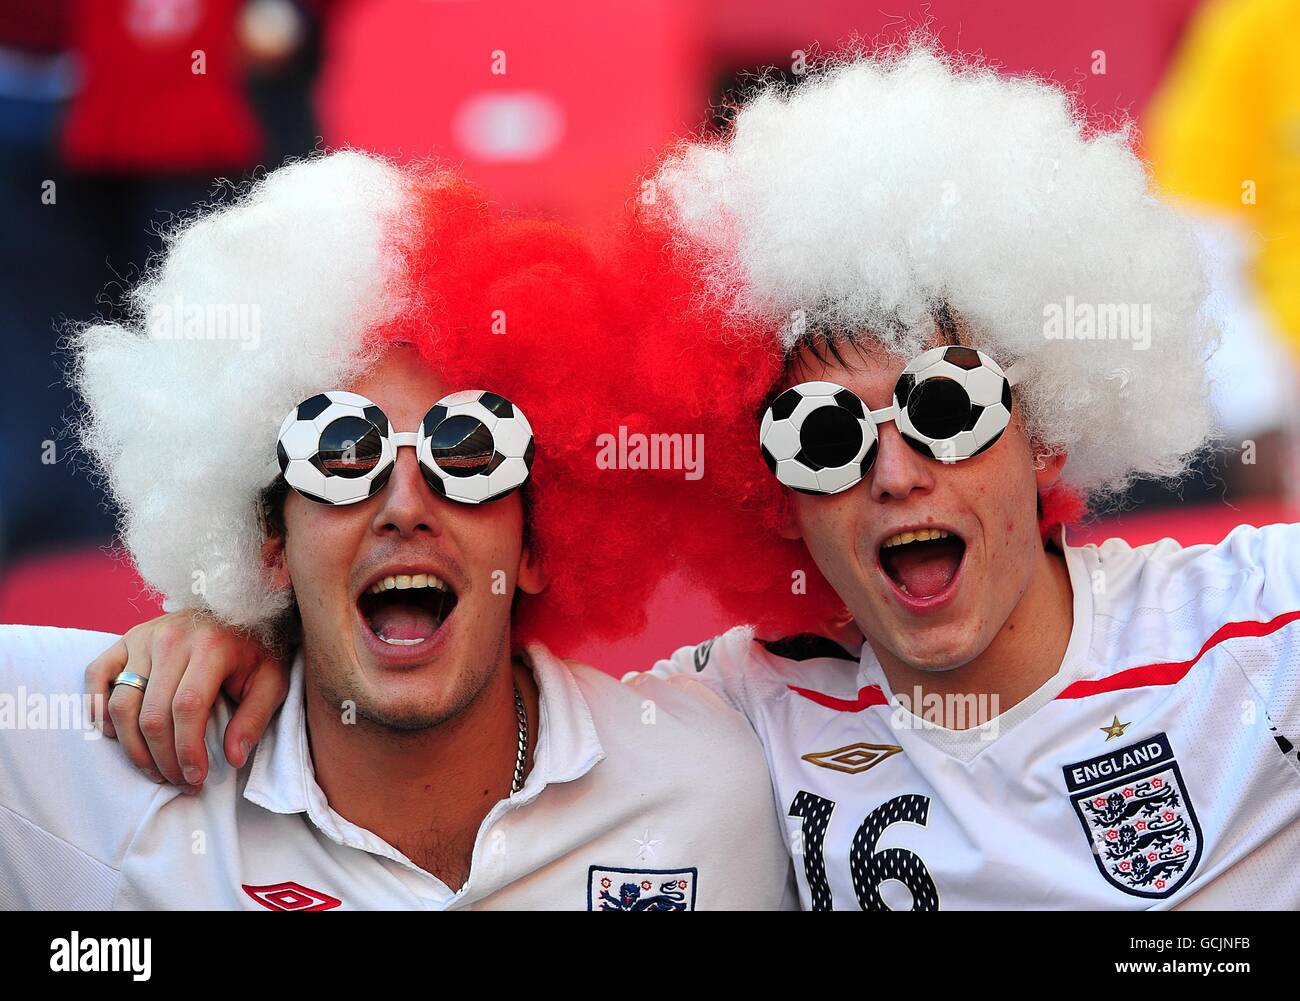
161	89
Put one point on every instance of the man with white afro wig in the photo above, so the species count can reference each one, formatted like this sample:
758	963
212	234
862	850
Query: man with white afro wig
935	309
319	423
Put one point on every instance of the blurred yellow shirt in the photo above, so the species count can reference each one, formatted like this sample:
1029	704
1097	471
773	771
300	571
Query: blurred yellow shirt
1224	132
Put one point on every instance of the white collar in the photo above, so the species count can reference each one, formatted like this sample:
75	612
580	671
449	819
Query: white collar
282	778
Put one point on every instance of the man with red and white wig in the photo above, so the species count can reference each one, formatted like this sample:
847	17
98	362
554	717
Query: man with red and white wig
319	424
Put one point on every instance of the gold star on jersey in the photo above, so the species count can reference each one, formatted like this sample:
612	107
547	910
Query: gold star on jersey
1115	729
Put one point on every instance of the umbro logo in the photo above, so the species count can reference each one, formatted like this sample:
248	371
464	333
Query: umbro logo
853	758
291	896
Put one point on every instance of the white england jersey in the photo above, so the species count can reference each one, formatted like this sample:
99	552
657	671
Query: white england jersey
646	796
1158	768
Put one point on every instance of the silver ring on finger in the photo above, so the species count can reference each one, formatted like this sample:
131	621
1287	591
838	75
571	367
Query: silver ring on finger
131	679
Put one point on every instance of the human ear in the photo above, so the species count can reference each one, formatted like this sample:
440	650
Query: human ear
532	577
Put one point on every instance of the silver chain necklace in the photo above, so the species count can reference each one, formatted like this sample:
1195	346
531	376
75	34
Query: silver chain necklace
518	782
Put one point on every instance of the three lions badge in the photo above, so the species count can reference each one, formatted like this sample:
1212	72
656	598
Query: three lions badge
1135	811
614	889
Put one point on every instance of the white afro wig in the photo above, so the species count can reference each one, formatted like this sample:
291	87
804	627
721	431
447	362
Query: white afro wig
884	187
252	308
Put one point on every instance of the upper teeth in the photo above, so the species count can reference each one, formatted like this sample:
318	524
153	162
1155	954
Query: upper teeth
402	581
920	535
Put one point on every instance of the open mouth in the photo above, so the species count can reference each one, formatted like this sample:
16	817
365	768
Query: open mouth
923	563
405	610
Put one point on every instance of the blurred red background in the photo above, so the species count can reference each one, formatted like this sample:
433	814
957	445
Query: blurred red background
554	107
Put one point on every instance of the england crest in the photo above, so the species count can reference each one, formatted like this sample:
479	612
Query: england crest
1138	817
613	889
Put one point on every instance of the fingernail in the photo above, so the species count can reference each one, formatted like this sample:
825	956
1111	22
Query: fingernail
154	776
244	748
192	774
189	790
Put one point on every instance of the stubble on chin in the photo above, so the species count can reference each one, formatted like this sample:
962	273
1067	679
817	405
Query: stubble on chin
339	689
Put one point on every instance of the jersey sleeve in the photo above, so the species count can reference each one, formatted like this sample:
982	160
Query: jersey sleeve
70	800
719	664
1272	586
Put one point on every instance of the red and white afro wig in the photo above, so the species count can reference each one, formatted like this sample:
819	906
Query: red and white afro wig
336	257
883	190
